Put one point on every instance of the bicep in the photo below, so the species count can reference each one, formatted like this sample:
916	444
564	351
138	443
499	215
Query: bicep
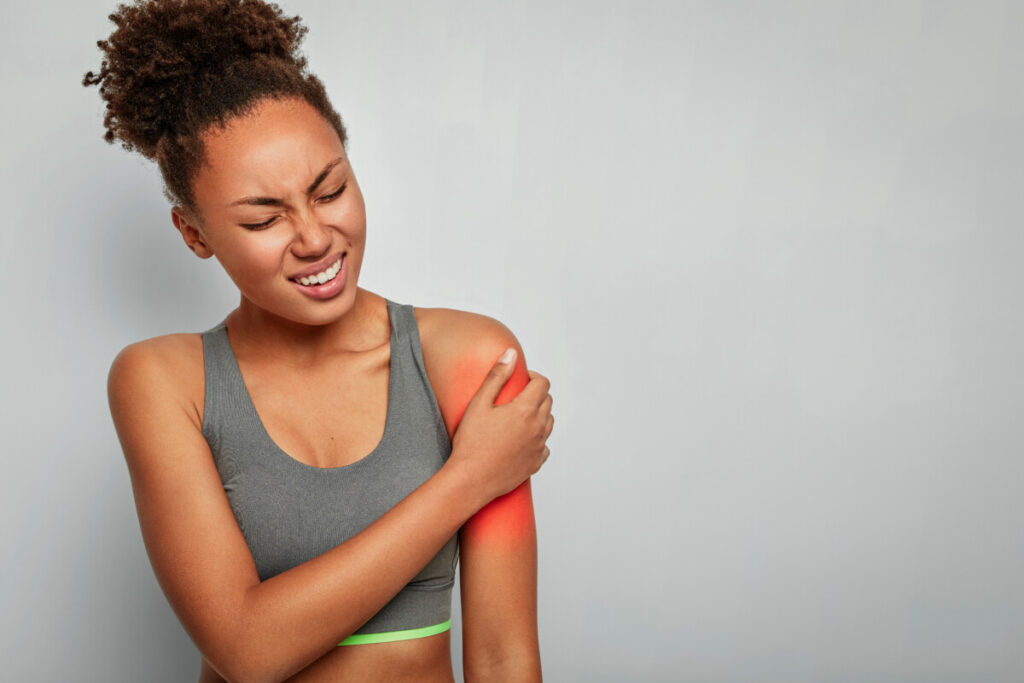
498	558
498	576
197	550
507	521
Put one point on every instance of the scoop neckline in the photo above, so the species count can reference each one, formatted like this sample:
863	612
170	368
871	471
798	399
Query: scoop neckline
250	405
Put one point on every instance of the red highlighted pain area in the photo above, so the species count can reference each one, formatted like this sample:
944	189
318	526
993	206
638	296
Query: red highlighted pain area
508	520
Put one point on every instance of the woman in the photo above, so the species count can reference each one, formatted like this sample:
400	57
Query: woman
302	490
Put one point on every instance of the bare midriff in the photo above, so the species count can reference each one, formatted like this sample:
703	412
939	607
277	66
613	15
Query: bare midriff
416	660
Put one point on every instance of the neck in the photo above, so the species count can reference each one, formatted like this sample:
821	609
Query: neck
257	332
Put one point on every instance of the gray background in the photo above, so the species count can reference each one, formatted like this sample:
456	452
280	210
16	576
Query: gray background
765	252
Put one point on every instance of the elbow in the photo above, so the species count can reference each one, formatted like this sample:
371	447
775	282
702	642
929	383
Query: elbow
244	675
242	670
250	665
252	668
255	678
238	642
239	667
242	660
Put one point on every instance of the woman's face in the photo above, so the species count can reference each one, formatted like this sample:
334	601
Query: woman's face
270	211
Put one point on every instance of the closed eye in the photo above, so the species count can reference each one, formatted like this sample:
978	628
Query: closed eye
337	194
327	198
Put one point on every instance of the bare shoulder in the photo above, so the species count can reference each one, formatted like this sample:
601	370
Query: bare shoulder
459	348
170	364
198	552
450	336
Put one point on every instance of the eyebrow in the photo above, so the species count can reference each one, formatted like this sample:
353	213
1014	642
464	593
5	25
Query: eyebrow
273	201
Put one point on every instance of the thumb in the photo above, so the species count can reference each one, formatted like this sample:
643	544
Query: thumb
497	376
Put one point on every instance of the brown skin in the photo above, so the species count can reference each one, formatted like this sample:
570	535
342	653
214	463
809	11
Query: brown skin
292	349
276	153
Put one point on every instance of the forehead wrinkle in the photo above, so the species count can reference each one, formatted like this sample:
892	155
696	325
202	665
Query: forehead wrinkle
264	201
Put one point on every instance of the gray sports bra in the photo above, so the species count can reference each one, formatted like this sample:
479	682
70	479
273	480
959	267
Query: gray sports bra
291	512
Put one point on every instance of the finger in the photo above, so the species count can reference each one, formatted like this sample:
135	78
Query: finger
534	391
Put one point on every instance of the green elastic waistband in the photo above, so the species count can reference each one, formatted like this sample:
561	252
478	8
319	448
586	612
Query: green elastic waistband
388	636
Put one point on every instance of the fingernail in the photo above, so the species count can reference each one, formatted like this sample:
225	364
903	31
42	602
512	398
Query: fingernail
509	354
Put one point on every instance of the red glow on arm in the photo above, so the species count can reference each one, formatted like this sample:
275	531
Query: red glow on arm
508	519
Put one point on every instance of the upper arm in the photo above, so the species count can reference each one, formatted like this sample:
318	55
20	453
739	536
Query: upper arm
498	586
498	544
197	550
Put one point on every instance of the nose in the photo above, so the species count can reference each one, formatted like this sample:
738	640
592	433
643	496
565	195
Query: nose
311	236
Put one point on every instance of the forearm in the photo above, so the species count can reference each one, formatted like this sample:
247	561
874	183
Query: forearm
295	617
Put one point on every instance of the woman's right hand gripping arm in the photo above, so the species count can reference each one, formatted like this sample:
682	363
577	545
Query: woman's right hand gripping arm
252	631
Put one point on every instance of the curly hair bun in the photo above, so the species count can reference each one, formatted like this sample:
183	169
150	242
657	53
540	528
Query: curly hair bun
167	58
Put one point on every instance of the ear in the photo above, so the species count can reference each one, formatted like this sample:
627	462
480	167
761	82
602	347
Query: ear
190	232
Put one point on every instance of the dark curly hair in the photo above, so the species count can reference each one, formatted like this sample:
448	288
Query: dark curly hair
174	68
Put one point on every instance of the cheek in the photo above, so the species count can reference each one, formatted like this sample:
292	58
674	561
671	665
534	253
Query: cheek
351	216
353	227
258	257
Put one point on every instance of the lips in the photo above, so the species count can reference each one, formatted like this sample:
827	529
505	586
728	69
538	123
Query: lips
317	267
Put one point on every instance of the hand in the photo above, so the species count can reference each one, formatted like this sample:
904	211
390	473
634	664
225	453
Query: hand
498	447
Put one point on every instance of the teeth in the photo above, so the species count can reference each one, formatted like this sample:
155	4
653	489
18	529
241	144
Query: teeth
322	277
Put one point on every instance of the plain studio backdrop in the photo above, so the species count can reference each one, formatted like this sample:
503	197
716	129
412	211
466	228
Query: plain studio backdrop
768	254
